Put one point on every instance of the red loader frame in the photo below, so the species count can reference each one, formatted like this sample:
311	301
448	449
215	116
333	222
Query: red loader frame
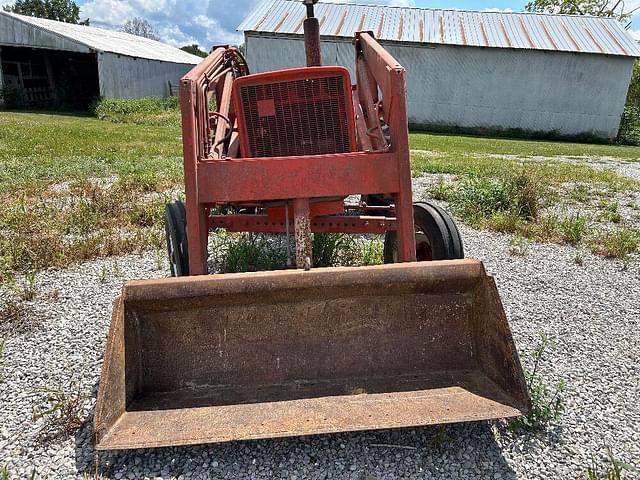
296	193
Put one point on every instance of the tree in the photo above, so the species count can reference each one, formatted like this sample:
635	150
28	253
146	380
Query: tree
140	27
599	8
61	10
194	49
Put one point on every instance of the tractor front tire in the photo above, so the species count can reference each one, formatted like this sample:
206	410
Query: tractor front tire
175	225
437	236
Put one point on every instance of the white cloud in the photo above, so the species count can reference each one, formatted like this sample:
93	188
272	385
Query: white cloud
207	23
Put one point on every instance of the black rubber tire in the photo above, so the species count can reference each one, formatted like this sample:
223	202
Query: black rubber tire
175	225
437	237
454	233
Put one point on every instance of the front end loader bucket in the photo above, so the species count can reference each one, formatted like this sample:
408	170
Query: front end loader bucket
248	356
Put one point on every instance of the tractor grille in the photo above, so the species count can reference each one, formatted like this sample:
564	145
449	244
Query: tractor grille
306	116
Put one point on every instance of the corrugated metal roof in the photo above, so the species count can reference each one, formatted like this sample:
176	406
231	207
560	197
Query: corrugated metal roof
110	41
530	31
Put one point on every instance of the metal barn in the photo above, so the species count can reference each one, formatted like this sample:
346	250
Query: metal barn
46	62
475	70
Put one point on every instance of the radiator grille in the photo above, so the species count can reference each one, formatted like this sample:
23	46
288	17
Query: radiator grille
296	117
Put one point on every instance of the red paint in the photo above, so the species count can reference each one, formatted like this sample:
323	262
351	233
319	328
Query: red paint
324	180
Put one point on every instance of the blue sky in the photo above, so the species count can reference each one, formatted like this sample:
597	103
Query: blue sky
211	22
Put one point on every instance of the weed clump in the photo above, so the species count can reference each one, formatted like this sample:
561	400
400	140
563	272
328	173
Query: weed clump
253	253
141	111
618	244
547	404
502	203
613	469
62	411
573	229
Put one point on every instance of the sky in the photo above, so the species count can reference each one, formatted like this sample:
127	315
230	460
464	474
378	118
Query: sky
214	22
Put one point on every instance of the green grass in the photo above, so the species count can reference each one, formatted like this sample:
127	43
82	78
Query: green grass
58	207
37	150
459	145
143	111
77	187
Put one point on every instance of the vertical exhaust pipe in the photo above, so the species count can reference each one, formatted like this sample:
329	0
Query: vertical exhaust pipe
312	36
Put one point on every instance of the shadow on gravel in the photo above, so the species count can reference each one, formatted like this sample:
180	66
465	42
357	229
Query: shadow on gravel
464	451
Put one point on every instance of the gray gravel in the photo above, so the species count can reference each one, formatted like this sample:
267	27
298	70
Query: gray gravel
592	312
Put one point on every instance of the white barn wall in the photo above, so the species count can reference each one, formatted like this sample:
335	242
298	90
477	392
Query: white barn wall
486	87
128	77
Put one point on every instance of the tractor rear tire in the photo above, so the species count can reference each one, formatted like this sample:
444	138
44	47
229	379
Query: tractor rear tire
175	226
437	236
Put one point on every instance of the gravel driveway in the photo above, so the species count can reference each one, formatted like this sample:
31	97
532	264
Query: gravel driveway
592	312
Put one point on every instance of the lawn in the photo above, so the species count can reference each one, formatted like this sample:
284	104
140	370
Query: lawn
76	187
468	145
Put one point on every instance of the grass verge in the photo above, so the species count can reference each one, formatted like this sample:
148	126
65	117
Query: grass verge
142	111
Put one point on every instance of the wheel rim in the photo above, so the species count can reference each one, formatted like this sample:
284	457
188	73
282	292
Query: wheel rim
424	252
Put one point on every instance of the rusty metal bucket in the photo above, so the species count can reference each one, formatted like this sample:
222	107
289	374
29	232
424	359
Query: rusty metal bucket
249	356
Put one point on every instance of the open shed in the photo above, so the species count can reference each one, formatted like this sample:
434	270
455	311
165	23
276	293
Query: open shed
45	62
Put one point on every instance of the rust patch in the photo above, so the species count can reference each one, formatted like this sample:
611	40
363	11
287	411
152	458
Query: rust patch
361	24
401	27
273	354
341	24
573	40
624	50
506	35
380	26
284	17
484	33
421	29
259	24
549	37
593	39
526	34
463	35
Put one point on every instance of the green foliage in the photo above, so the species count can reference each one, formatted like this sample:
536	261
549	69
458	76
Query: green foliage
61	10
252	252
141	111
511	133
614	469
629	132
140	27
10	97
371	253
617	244
598	8
194	49
516	194
610	211
330	249
465	153
547	404
574	229
519	246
